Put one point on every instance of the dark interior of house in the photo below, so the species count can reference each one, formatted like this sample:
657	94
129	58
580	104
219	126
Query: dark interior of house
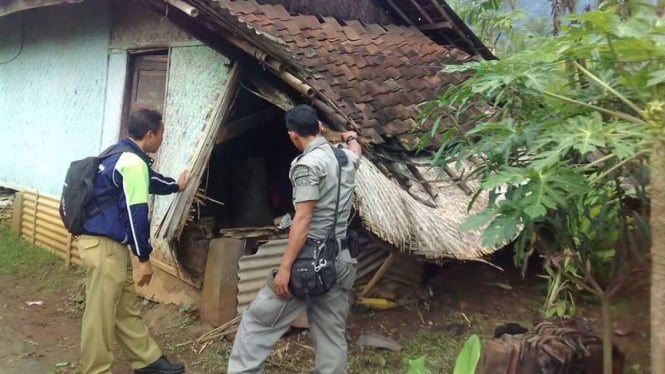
247	173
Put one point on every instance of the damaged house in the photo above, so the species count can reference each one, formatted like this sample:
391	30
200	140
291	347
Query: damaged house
223	73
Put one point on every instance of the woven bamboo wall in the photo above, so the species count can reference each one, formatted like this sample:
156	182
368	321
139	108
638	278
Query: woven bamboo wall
37	220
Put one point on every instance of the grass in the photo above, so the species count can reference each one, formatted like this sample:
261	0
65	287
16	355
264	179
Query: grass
18	256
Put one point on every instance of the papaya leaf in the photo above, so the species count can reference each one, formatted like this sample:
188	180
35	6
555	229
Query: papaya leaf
417	366
467	360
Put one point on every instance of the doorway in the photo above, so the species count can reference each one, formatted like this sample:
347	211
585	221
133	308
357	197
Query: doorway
146	86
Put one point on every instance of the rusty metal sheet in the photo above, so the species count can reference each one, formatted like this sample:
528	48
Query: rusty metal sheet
253	270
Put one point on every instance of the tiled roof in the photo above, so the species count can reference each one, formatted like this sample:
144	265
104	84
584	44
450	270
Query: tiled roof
376	75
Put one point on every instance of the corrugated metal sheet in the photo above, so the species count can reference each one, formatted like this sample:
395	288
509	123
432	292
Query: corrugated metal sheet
37	220
253	270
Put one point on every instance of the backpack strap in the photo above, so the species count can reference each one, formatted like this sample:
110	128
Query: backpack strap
342	160
113	150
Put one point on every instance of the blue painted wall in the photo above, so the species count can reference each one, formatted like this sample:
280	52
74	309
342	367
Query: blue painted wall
52	94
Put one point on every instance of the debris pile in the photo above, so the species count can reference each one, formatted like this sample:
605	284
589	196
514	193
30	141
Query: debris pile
6	204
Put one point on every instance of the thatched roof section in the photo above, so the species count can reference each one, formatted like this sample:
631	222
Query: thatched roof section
392	214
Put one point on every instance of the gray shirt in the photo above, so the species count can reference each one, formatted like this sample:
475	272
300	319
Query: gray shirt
313	176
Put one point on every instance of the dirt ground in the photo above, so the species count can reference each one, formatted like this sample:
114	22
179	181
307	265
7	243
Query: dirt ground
465	299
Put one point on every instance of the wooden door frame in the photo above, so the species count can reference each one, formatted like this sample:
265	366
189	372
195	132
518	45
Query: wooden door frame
131	82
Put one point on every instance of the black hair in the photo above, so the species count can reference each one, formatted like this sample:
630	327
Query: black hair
303	120
143	120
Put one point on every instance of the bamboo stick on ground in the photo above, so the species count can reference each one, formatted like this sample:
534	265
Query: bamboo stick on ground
218	331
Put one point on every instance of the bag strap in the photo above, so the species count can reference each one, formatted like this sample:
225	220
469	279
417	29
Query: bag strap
108	152
333	232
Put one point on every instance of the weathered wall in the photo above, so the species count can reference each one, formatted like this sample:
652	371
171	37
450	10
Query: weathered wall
196	78
52	93
115	96
135	26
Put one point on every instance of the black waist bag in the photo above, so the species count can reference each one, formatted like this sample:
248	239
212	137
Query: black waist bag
313	273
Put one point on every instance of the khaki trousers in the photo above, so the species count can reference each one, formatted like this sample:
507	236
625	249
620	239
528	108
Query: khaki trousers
112	310
268	317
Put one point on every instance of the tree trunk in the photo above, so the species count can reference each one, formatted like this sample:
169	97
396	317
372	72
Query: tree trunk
607	335
657	171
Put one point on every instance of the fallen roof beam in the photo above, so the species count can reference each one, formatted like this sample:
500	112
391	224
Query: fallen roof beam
400	13
447	17
436	26
422	12
243	125
184	7
461	29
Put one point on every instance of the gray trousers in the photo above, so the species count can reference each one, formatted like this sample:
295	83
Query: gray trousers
269	316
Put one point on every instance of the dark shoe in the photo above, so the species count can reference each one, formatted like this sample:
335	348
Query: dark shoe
162	366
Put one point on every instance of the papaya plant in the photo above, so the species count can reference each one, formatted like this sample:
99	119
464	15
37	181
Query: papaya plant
563	136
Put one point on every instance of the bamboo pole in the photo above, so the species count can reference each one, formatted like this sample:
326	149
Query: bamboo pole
34	218
300	86
337	122
379	273
17	212
184	7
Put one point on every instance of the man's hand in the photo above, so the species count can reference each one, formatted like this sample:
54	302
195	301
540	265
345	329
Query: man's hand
145	273
351	140
281	283
182	181
349	135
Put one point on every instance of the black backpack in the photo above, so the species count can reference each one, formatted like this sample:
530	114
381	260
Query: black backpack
77	202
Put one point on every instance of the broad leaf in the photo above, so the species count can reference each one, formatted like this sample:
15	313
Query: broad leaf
467	360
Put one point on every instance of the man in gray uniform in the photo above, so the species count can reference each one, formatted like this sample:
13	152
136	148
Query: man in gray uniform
314	176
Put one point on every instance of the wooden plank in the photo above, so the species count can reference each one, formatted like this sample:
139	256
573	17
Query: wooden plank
55	221
46	226
42	200
436	26
219	295
48	234
240	126
31	206
379	274
172	271
52	247
44	217
16	213
175	217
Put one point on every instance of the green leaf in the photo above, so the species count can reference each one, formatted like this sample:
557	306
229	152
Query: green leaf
502	230
656	78
467	360
478	220
508	175
417	366
535	211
